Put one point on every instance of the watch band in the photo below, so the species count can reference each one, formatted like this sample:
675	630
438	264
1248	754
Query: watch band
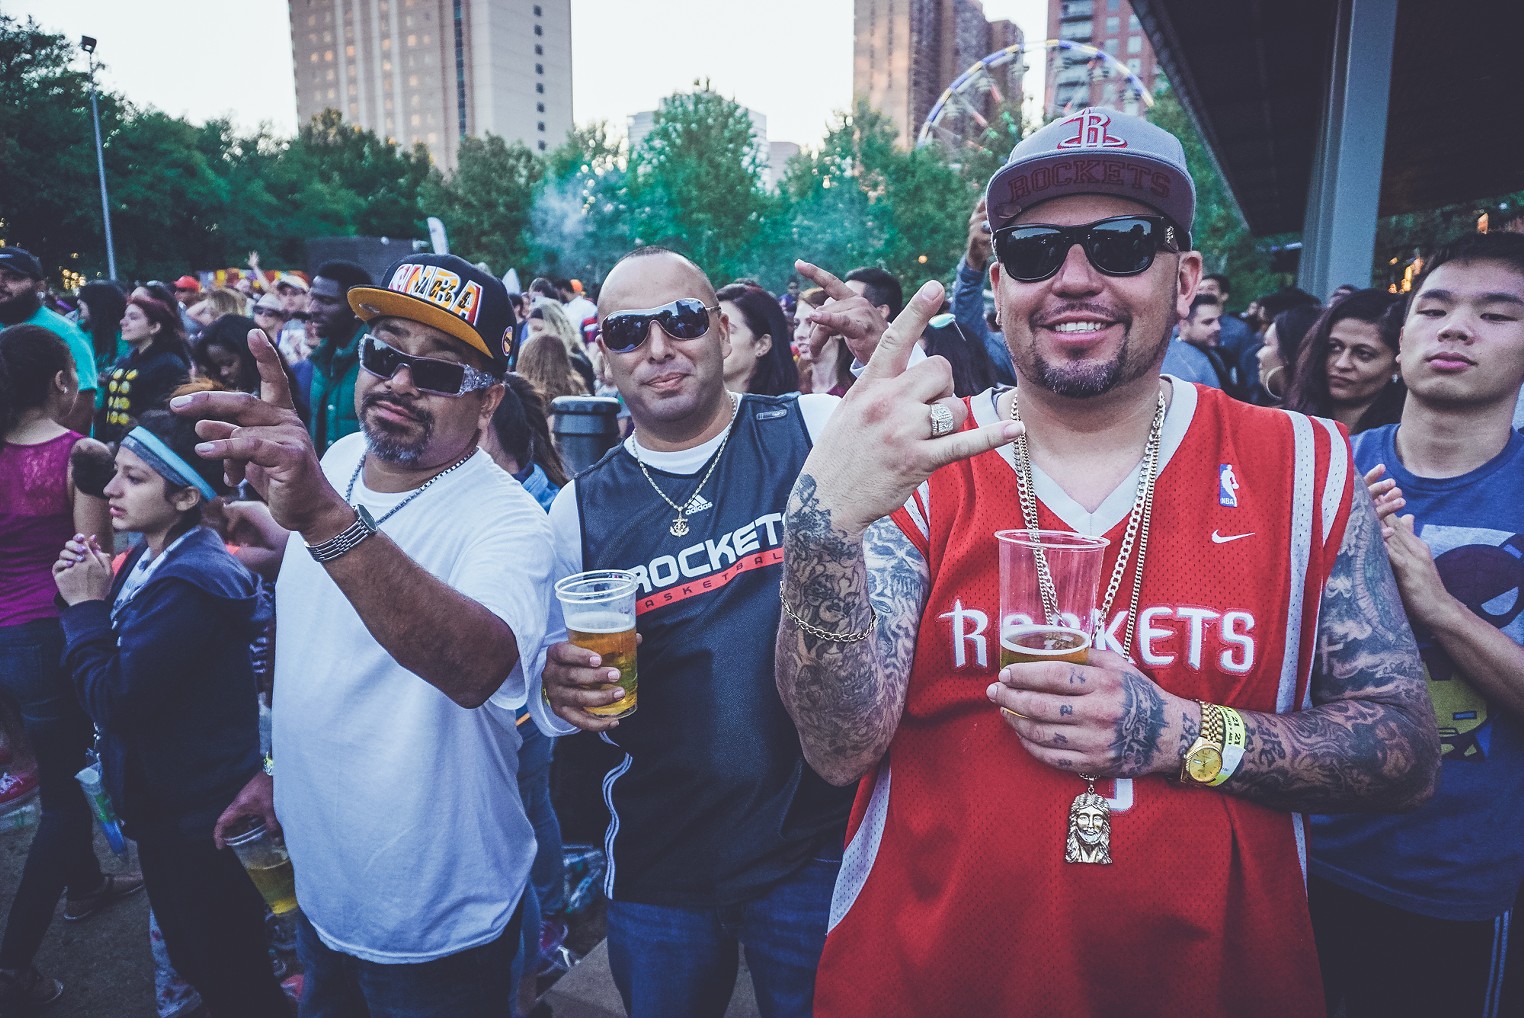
1202	763
345	540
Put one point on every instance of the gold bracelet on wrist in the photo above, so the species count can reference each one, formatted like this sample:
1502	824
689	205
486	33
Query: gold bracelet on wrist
821	634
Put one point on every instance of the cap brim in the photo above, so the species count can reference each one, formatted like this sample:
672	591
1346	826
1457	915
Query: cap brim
368	302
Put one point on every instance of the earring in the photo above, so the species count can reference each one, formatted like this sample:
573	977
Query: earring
1396	377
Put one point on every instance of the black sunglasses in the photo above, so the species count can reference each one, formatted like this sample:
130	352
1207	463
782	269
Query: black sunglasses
1120	246
684	318
441	377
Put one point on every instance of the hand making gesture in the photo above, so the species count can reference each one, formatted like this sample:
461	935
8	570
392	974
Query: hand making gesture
846	314
896	425
261	439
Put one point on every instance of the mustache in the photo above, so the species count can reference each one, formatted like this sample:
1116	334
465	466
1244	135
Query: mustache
1049	315
410	404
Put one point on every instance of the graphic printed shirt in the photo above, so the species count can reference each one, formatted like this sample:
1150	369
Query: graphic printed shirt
1460	856
713	801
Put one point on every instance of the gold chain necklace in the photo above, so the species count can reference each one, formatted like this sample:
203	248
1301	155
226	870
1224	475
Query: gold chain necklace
1089	805
679	527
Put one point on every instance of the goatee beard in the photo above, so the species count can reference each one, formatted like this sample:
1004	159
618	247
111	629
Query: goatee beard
19	308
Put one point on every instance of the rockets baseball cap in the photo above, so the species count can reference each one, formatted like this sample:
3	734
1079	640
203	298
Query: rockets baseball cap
446	293
1096	151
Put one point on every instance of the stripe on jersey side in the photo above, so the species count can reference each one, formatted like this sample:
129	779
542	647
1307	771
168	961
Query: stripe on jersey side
1299	831
918	508
1495	977
857	859
1304	467
1338	472
608	800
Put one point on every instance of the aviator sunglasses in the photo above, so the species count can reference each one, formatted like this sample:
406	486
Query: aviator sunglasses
1120	246
684	318
441	377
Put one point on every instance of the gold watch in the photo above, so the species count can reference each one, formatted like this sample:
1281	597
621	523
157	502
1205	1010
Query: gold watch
1203	761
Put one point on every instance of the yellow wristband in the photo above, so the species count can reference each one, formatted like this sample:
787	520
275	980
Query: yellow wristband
1233	740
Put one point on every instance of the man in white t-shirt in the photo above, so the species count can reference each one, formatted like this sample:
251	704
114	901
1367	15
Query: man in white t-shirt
412	598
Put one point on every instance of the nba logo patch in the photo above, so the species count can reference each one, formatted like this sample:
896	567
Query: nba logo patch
1227	486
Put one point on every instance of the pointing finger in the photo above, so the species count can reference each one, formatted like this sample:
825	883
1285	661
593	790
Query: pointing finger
966	444
893	353
274	388
820	277
241	408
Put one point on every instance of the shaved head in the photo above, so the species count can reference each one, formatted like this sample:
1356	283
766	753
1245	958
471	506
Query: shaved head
627	271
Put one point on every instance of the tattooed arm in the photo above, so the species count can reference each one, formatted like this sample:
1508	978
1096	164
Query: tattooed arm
846	698
1369	741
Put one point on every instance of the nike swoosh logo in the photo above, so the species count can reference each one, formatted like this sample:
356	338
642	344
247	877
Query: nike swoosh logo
1224	539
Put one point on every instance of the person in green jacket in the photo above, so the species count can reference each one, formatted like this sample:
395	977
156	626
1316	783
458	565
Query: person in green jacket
336	361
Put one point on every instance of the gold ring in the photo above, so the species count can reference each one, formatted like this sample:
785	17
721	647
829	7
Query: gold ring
1014	713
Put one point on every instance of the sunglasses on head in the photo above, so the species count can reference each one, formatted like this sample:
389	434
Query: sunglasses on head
684	318
1119	246
441	377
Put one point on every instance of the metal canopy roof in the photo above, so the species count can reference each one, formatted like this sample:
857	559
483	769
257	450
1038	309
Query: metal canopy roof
1254	74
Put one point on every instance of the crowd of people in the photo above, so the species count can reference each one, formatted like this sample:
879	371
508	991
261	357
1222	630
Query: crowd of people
1285	778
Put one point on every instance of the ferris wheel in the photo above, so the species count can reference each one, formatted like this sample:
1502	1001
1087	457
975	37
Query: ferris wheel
981	111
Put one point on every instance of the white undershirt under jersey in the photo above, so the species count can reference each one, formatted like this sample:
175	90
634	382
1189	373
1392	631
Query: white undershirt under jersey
566	524
401	808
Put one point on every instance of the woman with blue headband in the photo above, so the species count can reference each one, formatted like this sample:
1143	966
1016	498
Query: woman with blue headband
160	658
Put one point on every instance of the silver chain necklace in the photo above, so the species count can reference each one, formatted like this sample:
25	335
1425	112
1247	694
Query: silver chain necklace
1137	525
679	527
349	492
1138	522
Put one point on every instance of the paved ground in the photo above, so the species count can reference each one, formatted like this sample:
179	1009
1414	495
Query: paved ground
103	961
107	971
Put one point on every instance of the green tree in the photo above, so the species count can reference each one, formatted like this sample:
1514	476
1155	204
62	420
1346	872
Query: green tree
862	200
581	219
353	173
49	202
1220	233
695	183
485	203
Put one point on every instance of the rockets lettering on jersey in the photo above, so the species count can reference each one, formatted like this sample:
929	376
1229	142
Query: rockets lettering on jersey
1194	637
709	564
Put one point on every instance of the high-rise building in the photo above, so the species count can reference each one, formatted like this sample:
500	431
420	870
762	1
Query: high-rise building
1110	26
907	52
435	71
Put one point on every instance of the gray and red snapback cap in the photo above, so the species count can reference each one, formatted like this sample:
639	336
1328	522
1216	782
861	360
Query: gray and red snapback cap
1096	151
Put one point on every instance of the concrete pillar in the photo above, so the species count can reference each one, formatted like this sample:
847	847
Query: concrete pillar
1339	233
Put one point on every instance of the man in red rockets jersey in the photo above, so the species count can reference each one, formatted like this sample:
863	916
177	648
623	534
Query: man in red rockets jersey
1270	672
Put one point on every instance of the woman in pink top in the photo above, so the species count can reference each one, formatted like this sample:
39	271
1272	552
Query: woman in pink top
40	509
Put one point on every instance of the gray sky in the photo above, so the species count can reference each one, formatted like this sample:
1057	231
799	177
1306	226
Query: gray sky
788	59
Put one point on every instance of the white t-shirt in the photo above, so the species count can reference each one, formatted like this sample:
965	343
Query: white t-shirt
566	526
401	808
579	309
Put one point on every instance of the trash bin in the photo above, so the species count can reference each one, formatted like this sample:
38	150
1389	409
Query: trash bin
585	427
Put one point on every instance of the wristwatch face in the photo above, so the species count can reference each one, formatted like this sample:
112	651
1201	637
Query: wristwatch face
1203	763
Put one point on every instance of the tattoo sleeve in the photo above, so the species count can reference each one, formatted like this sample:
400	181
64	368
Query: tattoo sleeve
1370	740
846	698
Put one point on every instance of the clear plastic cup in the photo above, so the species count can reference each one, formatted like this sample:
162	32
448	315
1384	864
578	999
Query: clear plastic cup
1056	628
599	608
263	854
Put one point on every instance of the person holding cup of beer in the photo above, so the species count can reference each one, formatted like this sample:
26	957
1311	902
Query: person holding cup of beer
1250	659
721	834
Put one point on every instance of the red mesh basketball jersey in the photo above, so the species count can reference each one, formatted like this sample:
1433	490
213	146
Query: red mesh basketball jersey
954	897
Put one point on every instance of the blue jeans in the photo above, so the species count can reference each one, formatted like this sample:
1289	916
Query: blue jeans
62	853
669	961
548	874
475	983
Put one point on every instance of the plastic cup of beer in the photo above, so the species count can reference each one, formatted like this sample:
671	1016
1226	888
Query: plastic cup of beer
599	608
1035	629
263	854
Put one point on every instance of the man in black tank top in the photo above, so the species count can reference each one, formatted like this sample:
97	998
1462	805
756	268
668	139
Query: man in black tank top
721	834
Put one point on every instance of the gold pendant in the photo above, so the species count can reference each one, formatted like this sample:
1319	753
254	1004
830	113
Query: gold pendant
1089	828
679	527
